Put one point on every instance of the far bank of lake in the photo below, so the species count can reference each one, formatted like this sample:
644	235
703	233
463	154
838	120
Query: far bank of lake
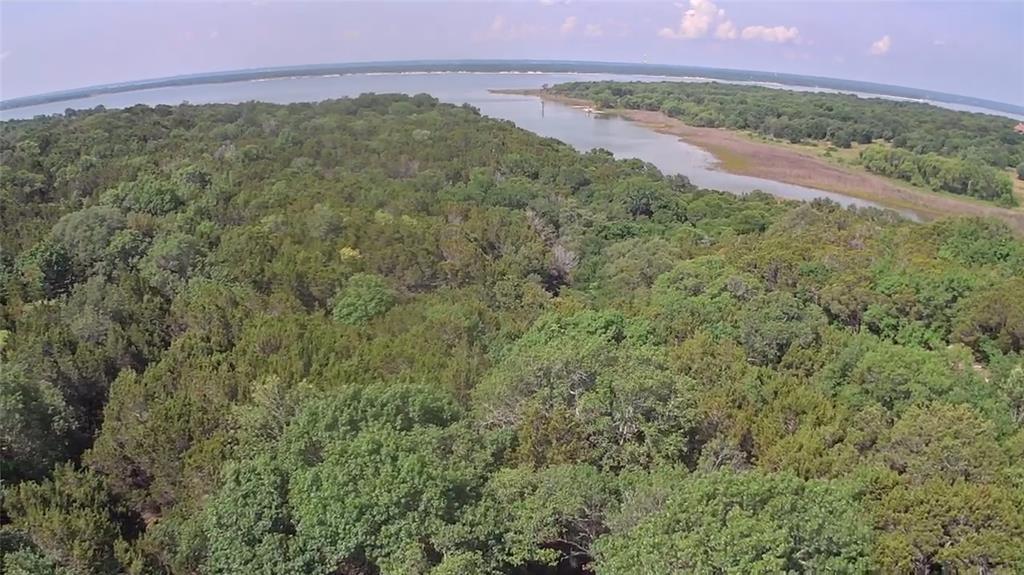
738	153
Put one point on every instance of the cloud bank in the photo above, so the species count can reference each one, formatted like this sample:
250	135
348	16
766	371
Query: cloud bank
778	34
703	17
696	21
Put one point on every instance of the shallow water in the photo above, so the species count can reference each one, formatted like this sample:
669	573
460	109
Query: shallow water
574	126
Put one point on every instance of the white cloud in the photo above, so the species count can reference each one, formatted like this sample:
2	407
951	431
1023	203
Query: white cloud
502	29
726	31
703	17
571	24
777	34
696	21
5	54
881	46
567	26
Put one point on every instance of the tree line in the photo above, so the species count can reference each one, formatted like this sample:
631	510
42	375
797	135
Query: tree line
971	150
387	335
951	175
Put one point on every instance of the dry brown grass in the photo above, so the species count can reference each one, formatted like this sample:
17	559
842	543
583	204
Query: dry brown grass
785	164
803	165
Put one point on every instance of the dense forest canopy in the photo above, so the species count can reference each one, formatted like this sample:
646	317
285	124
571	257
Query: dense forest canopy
943	150
386	335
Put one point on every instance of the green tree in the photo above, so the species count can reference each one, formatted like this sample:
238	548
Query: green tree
71	519
550	516
148	194
85	234
747	522
943	442
590	376
773	324
384	495
248	524
48	268
992	320
364	297
35	428
170	261
936	526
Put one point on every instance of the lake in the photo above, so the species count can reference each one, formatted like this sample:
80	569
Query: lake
571	125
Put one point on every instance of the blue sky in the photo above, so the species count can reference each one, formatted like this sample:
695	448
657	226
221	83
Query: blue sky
972	48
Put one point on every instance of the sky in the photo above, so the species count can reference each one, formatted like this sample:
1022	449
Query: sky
973	48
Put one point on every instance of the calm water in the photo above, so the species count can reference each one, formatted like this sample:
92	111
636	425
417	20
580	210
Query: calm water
571	125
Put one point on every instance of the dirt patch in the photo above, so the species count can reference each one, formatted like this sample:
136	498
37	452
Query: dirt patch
739	154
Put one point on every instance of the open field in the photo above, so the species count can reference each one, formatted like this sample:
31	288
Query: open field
803	165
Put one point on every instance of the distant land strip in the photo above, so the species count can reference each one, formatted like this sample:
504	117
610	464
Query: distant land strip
543	66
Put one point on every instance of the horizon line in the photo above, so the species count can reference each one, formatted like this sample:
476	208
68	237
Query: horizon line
512	65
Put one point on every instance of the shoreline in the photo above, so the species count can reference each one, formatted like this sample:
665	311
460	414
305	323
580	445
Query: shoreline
530	66
737	153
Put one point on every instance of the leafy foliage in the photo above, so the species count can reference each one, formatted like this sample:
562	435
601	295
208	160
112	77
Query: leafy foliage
386	335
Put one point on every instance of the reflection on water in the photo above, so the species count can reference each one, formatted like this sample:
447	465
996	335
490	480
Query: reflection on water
573	126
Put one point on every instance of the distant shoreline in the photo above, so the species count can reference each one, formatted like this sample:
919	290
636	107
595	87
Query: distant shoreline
739	154
524	66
